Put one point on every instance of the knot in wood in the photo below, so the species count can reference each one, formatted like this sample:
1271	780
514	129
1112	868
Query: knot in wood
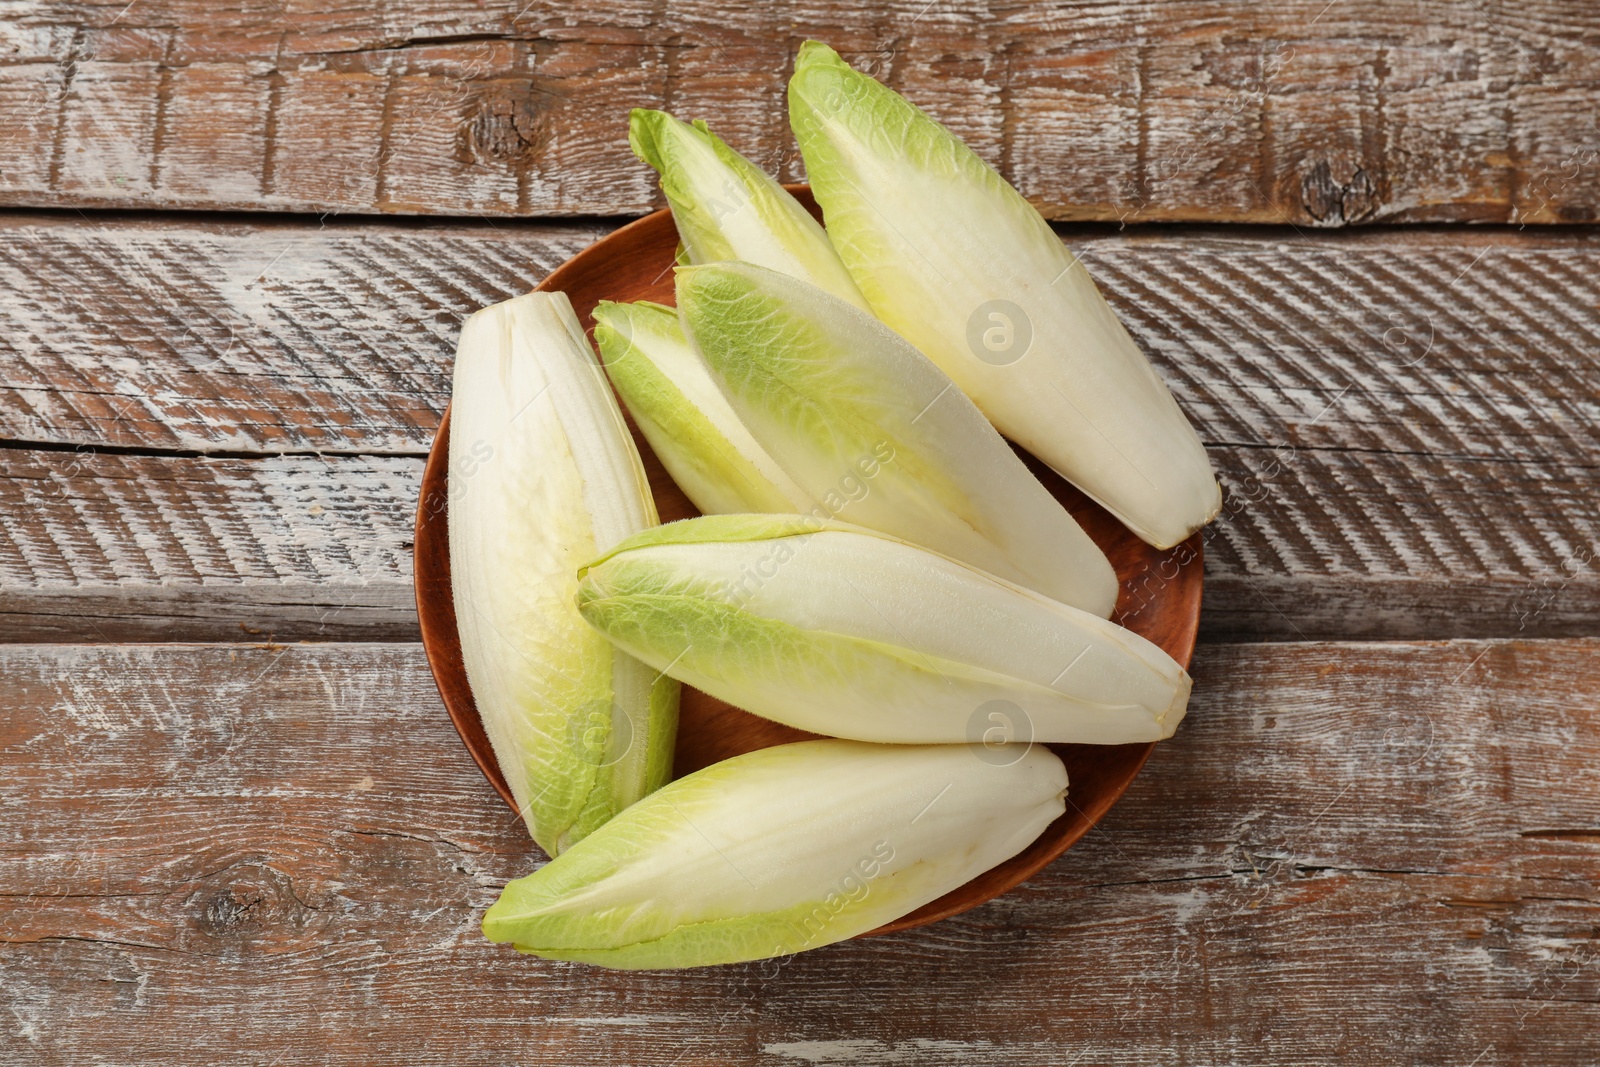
504	124
1335	202
249	903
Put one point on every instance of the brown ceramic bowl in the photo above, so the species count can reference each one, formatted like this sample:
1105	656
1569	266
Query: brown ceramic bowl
635	263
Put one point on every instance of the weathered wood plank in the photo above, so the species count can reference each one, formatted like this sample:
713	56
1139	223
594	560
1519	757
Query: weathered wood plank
338	337
1316	112
111	547
1373	853
1408	424
273	338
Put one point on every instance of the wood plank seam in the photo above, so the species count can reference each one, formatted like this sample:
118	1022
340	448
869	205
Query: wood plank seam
1457	473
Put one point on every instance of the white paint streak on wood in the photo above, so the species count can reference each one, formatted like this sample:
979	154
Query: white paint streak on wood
1111	111
247	338
105	546
1310	864
1371	492
911	1051
916	1050
285	338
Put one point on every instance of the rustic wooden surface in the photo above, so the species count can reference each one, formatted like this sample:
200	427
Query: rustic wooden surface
1351	853
1323	112
215	430
1357	850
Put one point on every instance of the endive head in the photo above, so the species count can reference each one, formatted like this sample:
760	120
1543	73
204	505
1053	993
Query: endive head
894	182
878	435
778	851
720	529
635	325
848	122
709	453
755	327
543	472
959	263
726	208
823	386
841	631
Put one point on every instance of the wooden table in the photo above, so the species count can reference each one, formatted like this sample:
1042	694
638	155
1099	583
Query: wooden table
236	248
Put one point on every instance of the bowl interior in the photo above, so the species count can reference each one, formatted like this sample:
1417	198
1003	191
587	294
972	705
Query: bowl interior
1160	596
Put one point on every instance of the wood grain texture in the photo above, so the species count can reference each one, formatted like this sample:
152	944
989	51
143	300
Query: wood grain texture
259	338
1349	853
113	547
1407	424
1321	113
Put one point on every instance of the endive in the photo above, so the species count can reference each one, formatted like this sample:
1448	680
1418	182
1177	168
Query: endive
879	435
842	631
779	850
685	417
543	475
954	259
725	207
